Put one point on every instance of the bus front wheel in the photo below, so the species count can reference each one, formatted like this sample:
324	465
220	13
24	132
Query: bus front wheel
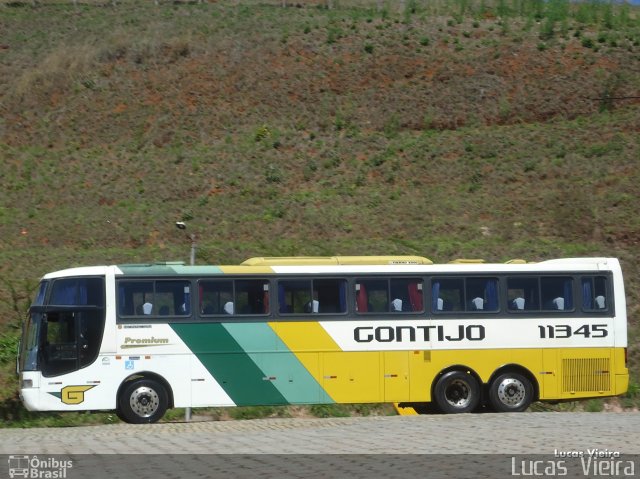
457	392
142	401
510	392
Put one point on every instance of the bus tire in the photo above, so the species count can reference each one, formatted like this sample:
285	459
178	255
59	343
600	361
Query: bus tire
142	401
510	392
457	392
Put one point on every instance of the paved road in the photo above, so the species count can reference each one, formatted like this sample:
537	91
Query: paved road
252	445
527	433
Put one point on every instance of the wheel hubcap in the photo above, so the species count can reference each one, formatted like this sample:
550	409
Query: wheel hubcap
458	394
512	392
144	401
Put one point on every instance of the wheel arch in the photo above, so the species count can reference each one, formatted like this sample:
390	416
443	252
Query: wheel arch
455	367
148	375
517	368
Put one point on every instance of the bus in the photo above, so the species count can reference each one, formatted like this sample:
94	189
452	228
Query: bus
142	338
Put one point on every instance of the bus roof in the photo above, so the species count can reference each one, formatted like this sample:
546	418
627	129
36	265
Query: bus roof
341	264
335	260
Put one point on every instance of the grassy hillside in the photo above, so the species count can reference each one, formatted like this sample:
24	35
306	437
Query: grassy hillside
457	128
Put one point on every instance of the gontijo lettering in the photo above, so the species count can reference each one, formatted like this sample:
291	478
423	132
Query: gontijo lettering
387	334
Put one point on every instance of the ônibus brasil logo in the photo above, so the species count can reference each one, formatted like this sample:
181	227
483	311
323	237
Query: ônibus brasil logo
35	467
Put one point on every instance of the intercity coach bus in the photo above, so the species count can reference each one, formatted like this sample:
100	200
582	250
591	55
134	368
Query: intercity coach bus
139	339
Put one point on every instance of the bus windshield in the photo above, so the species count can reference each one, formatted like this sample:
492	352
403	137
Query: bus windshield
65	326
29	345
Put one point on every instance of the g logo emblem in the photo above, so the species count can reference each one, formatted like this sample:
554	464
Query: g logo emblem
73	394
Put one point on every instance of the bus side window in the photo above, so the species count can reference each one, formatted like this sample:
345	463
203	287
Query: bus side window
154	298
481	294
294	296
448	294
172	298
329	296
251	297
214	295
557	293
406	294
233	297
372	296
135	298
523	293
594	293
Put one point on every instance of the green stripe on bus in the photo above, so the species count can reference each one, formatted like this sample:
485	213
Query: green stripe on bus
229	364
167	270
280	366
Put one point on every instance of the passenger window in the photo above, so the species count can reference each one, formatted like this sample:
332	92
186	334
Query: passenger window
214	295
447	294
557	293
406	295
154	298
251	296
331	295
372	296
464	294
395	295
523	294
135	298
317	296
294	297
481	294
172	298
594	293
234	297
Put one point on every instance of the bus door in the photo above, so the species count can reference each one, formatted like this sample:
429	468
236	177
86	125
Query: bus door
68	338
396	376
550	373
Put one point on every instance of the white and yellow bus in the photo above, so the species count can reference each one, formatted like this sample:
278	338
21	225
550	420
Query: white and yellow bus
139	339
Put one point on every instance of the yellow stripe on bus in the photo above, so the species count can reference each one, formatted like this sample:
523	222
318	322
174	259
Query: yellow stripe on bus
339	373
246	269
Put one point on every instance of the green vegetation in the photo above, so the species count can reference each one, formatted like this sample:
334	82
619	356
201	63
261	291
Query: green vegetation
452	128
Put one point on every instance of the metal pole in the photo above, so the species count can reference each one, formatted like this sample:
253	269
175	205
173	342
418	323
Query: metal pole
193	249
187	411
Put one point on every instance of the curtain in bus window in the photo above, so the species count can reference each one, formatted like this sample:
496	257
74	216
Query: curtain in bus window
343	296
491	293
435	296
282	299
587	297
362	303
415	296
568	293
69	292
123	309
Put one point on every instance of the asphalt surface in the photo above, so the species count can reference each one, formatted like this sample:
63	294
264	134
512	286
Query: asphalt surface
469	445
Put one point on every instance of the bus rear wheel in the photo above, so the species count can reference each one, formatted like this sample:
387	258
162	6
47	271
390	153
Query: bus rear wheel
510	392
142	401
457	392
